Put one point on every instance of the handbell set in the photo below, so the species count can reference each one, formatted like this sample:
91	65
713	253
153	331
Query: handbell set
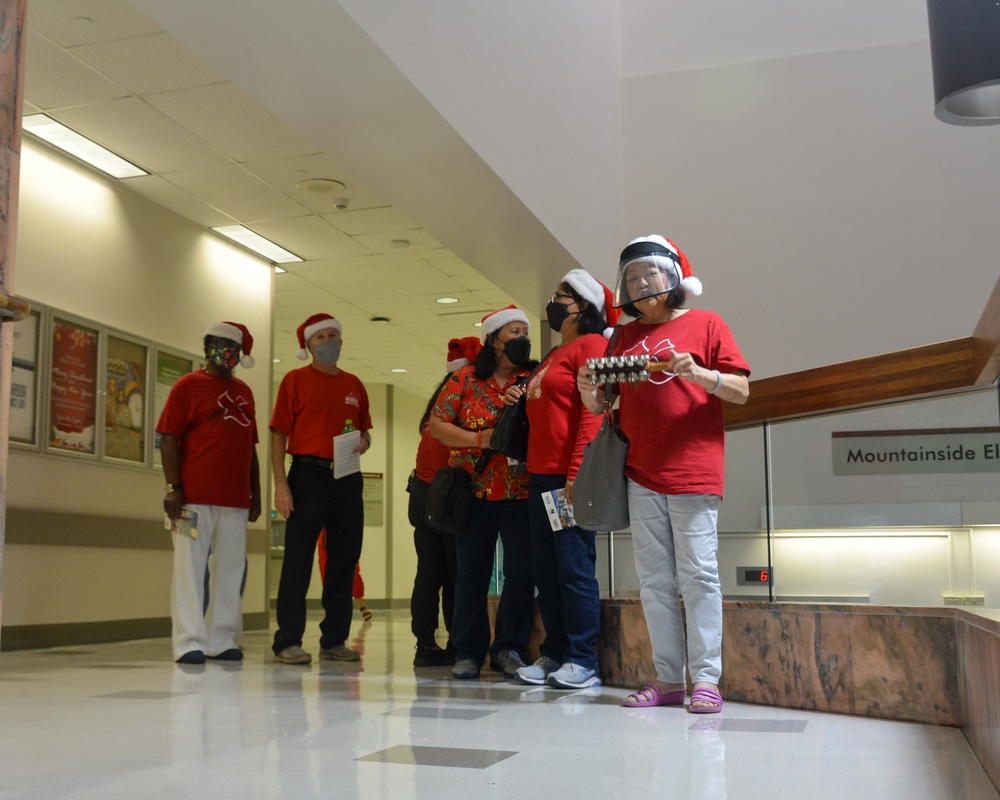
624	369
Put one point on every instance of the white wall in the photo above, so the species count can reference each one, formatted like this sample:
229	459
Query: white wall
829	215
90	247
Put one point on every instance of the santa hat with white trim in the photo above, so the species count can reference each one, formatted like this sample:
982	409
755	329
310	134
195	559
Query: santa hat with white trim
313	325
238	333
495	320
595	293
654	245
462	352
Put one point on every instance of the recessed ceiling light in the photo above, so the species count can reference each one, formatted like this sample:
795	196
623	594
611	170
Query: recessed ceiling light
447	301
399	244
279	271
399	369
477	324
257	244
320	186
277	361
69	141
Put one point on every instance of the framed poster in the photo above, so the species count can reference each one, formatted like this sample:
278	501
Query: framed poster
169	369
24	381
125	400
73	385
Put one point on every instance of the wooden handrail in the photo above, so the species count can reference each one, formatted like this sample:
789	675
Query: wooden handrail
906	374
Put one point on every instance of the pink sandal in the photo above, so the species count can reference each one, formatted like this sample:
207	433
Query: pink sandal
653	695
705	696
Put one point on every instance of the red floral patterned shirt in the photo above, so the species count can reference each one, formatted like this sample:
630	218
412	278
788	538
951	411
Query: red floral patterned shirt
475	405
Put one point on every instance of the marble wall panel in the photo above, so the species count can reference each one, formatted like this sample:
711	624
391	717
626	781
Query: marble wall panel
980	649
906	667
788	658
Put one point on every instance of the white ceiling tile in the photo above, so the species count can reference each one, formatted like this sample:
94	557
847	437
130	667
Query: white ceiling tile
138	132
375	220
310	237
182	203
286	173
242	195
145	64
226	117
382	242
73	22
53	78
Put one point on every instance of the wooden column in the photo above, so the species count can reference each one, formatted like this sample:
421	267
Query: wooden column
12	42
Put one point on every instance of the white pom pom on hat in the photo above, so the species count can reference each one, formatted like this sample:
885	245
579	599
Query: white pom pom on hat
690	284
495	320
238	333
313	325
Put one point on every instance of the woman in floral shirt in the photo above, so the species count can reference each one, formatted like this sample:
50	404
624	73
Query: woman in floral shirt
463	418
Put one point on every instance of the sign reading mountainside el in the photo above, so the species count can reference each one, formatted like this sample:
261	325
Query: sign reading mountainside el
904	452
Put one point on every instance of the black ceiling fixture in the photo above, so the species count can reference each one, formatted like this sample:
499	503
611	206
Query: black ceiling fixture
965	58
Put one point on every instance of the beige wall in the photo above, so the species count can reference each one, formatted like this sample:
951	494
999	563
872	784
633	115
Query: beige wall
89	247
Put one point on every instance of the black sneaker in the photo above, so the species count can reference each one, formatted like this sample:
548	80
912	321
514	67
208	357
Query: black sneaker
192	657
433	657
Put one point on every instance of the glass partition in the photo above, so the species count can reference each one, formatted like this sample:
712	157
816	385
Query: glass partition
893	505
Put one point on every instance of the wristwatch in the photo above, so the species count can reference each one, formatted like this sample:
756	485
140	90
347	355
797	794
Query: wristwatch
173	487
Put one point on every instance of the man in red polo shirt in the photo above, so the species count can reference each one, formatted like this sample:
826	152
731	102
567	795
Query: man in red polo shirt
316	403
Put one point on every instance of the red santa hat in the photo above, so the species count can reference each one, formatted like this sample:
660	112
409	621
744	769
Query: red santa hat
314	324
595	293
649	245
238	333
462	352
495	320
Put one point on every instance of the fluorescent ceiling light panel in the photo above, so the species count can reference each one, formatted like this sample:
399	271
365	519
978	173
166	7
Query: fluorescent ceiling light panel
69	141
257	244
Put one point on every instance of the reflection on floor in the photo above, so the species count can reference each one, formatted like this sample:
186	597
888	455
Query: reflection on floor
122	721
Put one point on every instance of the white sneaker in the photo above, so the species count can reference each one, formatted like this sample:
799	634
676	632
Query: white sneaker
537	672
573	676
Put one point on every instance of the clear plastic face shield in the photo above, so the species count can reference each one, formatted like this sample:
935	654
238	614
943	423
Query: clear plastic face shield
645	275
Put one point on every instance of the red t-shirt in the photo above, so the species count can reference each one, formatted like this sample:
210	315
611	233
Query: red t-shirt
214	419
675	428
313	407
475	405
431	455
559	425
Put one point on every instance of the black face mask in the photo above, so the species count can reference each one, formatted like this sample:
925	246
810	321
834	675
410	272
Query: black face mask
557	313
518	350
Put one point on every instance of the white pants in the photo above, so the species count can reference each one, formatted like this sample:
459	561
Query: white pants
676	544
223	531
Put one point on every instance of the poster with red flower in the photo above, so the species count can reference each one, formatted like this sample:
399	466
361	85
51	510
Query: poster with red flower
73	405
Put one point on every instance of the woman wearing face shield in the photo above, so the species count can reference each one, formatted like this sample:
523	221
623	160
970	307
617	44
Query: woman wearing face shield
674	423
463	418
563	562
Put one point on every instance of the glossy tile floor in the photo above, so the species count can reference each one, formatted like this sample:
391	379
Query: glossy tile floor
122	721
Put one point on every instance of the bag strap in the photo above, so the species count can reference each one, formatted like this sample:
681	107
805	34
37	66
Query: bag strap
608	402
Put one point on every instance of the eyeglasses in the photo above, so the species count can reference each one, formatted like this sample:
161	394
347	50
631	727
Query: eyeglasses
561	296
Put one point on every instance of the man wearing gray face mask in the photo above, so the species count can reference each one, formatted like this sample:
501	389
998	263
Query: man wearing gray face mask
316	403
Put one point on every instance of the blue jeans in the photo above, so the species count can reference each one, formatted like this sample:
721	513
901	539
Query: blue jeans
475	549
564	567
320	502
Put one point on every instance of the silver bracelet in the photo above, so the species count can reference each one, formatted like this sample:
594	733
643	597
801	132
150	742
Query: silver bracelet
718	382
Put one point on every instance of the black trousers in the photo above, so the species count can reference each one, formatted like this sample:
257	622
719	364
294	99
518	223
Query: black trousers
436	569
320	502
